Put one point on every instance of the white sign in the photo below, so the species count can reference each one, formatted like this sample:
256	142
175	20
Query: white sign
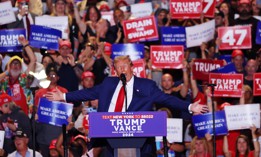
205	32
174	130
2	137
6	13
56	22
140	10
242	116
111	3
108	15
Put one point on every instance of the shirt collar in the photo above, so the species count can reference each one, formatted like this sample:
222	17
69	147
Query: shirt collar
130	83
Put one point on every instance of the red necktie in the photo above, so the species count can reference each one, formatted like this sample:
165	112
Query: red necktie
120	100
27	25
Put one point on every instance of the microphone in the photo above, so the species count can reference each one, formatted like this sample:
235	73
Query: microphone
123	79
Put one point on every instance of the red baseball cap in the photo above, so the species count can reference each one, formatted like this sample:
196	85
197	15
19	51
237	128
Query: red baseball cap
121	2
81	137
19	1
222	106
237	53
65	43
52	144
87	74
104	7
244	2
5	98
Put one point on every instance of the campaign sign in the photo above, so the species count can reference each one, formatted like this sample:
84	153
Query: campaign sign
185	9
6	13
227	85
139	10
204	33
135	51
242	116
236	37
202	67
174	130
127	124
54	112
108	15
227	58
173	36
257	84
168	57
47	40
209	7
9	40
56	22
140	29
258	33
204	124
139	68
228	69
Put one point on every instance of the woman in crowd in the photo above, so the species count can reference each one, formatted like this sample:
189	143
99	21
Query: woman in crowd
242	146
12	118
47	59
229	16
201	147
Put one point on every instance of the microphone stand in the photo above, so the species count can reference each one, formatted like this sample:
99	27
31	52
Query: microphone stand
33	89
65	146
125	93
165	147
213	118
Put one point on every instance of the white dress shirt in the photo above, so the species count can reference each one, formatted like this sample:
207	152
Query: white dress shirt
129	91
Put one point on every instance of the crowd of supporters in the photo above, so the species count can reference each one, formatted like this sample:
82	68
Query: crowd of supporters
82	62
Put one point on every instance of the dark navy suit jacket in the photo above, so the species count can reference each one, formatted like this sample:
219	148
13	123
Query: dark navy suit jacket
145	94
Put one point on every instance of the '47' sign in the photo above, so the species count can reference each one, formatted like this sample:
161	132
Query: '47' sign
237	37
209	7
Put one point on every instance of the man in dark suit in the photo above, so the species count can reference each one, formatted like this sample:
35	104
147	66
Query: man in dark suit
23	18
141	94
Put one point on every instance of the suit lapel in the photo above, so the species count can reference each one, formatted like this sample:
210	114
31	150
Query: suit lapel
111	89
136	94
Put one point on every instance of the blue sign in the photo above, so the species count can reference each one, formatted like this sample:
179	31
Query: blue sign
54	112
258	33
229	68
227	58
44	37
204	124
173	36
135	51
127	124
9	40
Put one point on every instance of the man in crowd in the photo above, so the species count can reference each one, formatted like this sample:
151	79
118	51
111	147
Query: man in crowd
69	72
14	82
21	143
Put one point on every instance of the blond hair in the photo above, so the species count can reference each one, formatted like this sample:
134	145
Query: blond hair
193	144
121	58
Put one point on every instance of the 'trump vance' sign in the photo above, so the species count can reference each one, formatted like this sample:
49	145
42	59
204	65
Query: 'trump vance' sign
167	57
127	124
227	85
185	9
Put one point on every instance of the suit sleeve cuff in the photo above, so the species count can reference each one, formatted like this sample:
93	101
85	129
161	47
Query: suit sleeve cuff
189	109
19	17
64	97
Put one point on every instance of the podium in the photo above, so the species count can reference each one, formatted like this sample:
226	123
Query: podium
127	129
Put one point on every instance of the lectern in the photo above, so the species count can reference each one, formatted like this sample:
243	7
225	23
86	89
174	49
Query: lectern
127	129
